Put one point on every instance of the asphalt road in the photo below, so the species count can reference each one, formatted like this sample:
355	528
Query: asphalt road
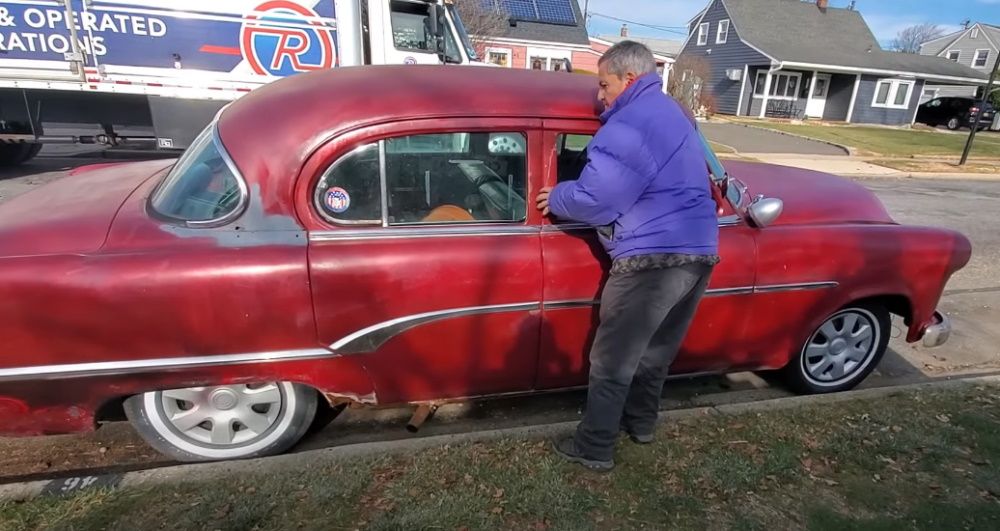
972	301
753	140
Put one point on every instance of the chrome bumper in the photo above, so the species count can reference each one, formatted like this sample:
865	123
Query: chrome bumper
937	333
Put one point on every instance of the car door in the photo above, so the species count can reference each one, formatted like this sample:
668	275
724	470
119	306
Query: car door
575	269
425	258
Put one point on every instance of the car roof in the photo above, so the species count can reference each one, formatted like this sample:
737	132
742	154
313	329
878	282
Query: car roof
276	127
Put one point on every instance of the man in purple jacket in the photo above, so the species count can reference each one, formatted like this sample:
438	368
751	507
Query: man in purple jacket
646	190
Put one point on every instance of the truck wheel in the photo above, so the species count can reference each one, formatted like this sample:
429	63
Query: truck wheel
842	351
224	421
14	154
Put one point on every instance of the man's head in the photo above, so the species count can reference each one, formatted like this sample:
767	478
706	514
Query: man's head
621	65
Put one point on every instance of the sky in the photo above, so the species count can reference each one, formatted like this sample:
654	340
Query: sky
885	17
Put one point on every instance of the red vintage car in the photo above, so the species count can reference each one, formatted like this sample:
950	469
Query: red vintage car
367	234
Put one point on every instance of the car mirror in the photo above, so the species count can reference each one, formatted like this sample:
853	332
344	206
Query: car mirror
764	211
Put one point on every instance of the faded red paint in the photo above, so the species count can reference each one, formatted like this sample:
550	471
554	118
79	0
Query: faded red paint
87	275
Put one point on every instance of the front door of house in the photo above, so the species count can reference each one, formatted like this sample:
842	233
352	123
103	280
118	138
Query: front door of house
817	100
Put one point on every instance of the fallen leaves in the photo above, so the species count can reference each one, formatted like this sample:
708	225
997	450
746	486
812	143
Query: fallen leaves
943	418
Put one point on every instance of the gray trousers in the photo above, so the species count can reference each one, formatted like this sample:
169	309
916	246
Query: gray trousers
644	318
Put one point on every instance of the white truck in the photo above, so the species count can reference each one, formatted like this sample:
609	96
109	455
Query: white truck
152	73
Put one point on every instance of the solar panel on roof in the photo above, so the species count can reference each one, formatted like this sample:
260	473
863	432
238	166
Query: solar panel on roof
557	11
547	11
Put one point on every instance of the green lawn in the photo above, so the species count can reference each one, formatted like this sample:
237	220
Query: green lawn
894	142
928	460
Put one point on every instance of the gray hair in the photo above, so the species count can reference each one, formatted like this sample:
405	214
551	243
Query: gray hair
629	56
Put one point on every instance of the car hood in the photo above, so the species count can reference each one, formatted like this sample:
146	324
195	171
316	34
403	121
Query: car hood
810	197
71	215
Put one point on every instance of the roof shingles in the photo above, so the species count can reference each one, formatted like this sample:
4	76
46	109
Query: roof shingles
793	31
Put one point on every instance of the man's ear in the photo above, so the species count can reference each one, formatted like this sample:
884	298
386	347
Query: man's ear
630	78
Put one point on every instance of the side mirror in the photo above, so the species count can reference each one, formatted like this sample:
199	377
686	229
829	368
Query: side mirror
569	66
435	28
764	211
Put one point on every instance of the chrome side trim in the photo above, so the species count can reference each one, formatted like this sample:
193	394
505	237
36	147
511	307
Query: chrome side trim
111	368
722	292
371	338
573	303
716	292
730	221
795	287
422	232
566	227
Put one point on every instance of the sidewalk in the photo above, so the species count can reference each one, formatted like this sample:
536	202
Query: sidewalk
855	167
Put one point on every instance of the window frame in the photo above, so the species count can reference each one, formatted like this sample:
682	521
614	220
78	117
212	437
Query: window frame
958	55
894	85
506	51
316	199
986	60
720	37
703	31
974	34
774	84
241	183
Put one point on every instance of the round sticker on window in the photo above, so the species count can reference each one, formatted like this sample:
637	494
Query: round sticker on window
338	200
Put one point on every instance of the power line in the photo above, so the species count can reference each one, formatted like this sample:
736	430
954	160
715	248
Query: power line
679	30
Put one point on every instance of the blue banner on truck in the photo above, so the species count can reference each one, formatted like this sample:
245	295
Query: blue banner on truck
266	38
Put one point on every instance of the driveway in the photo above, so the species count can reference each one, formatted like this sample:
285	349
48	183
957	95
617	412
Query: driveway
752	140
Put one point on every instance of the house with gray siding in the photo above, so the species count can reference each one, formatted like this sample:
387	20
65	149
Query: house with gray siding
976	46
804	59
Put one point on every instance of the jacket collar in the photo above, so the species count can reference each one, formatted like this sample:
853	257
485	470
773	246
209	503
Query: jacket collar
641	86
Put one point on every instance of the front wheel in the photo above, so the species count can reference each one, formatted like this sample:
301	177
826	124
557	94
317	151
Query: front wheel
225	421
842	351
954	123
14	154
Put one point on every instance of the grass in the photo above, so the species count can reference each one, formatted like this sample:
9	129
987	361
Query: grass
886	142
914	461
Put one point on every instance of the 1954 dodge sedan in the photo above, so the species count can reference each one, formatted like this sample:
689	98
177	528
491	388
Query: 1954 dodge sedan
363	235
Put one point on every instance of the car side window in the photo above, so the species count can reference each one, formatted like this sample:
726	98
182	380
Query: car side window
934	104
571	156
350	191
456	178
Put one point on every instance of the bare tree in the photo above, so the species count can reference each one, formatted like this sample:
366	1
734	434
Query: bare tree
484	23
689	78
910	39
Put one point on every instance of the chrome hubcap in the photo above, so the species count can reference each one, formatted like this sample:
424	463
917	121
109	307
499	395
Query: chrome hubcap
223	415
840	347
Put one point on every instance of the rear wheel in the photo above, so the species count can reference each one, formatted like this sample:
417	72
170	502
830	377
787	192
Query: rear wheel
14	154
225	421
842	351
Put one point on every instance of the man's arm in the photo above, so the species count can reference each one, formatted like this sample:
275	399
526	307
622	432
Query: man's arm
610	183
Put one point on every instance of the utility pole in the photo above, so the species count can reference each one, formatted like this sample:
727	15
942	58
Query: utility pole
979	110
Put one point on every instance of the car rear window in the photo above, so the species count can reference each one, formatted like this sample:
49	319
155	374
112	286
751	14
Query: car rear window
203	187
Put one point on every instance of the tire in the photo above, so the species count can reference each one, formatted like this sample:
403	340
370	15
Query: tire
281	413
953	124
14	154
814	368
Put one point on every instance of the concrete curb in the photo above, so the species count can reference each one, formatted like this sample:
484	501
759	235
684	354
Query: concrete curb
851	152
204	471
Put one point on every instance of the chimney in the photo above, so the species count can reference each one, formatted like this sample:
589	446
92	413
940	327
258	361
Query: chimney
624	30
822	4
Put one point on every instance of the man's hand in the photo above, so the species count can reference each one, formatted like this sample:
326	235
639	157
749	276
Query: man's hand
543	200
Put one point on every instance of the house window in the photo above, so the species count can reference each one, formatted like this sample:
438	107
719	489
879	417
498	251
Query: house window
955	55
703	34
722	35
784	86
547	59
499	56
893	94
982	58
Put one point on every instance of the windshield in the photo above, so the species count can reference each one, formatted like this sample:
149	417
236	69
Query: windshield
462	33
202	187
720	177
